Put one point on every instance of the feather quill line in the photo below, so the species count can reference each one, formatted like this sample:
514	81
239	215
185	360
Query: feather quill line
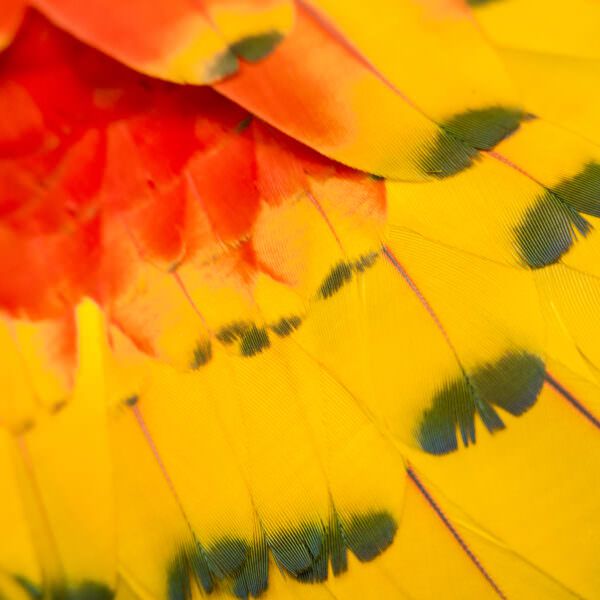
326	24
327	220
51	567
440	513
163	469
576	404
413	286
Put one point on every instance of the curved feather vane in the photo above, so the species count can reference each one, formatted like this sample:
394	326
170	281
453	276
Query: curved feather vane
556	69
183	41
410	136
10	19
559	30
329	329
561	89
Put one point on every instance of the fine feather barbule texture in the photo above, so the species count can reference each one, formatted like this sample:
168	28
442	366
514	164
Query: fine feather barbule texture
326	328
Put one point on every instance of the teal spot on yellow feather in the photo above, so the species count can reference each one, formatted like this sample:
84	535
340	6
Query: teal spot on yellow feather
131	400
90	590
298	550
476	3
254	340
256	47
548	230
179	578
512	383
223	65
202	354
462	136
85	590
486	127
337	277
335	544
226	556
553	223
365	262
233	331
304	552
285	326
343	272
252	579
30	588
368	535
582	191
189	562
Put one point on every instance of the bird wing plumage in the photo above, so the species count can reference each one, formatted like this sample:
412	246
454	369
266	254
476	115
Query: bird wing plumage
324	327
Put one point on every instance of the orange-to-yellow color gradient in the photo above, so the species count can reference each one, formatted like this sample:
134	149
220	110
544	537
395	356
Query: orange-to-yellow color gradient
299	299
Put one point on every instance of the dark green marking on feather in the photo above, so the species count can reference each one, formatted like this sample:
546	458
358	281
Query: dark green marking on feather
233	332
461	137
343	272
188	562
338	277
299	551
307	551
512	383
582	191
365	262
448	157
90	590
223	65
256	47
226	557
476	3
553	223
179	577
30	588
548	230
368	535
251	339
485	128
86	590
230	564
202	354
253	577
254	340
335	544
285	326
304	552
131	400
199	568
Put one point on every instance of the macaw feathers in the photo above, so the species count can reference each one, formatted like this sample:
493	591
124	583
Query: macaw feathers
299	299
178	41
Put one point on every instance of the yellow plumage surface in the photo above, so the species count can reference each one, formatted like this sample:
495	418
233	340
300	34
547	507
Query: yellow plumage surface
299	299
